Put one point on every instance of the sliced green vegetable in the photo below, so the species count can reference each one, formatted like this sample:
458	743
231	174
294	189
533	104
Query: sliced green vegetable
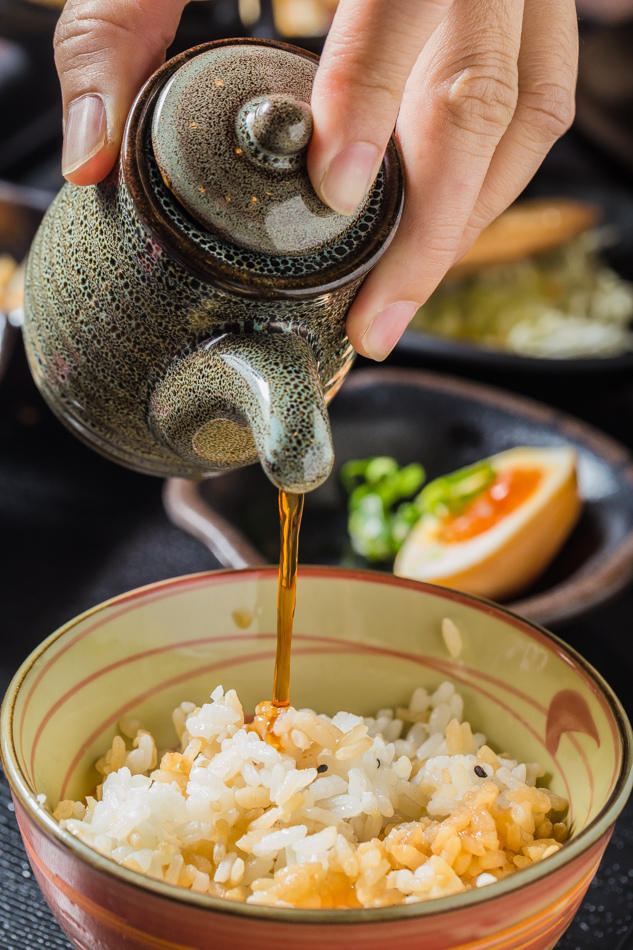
374	486
378	525
450	494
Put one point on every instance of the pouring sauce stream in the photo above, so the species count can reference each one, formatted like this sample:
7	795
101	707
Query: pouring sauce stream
290	511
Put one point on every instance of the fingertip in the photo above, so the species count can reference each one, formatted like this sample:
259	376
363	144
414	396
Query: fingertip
317	163
86	157
374	335
349	176
343	165
93	170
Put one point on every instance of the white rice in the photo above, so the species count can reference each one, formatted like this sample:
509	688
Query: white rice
398	808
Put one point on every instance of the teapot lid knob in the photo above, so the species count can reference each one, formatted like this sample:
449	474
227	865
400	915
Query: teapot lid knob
275	130
230	131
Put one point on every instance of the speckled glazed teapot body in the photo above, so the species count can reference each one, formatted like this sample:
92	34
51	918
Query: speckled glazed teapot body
187	315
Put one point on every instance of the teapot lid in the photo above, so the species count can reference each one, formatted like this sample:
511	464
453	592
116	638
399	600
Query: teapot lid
230	133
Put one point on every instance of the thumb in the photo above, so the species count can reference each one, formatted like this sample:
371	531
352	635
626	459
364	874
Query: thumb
104	52
368	56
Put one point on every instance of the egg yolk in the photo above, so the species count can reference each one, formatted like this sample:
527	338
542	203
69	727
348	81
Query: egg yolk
500	499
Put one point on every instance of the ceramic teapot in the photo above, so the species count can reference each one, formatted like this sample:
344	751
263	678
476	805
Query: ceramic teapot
187	315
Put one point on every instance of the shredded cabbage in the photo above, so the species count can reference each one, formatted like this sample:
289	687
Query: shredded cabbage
563	304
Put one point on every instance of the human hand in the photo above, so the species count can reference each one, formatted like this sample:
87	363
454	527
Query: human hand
480	89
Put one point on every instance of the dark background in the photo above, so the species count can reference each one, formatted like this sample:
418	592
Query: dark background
75	529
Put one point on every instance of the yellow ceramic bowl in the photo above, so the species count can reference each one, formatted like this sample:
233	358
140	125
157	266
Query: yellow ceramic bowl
362	642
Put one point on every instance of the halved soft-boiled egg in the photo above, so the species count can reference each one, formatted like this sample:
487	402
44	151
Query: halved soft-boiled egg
496	535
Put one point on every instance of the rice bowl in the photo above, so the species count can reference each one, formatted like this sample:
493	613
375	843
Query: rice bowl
363	642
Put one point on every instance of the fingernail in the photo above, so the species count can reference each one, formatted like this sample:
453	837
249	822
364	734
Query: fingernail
85	132
387	327
349	176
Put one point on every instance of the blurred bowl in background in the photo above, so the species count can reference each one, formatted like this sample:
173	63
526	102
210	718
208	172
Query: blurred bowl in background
535	294
21	211
444	423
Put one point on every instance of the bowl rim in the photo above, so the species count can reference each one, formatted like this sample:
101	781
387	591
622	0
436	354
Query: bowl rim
582	842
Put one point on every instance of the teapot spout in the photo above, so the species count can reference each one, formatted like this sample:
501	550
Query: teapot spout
245	397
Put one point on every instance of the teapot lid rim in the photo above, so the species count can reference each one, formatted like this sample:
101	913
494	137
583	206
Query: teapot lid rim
230	135
136	175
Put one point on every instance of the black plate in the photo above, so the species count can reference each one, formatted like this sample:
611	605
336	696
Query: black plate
421	347
444	423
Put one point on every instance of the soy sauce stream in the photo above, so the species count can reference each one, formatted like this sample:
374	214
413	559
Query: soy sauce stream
290	511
